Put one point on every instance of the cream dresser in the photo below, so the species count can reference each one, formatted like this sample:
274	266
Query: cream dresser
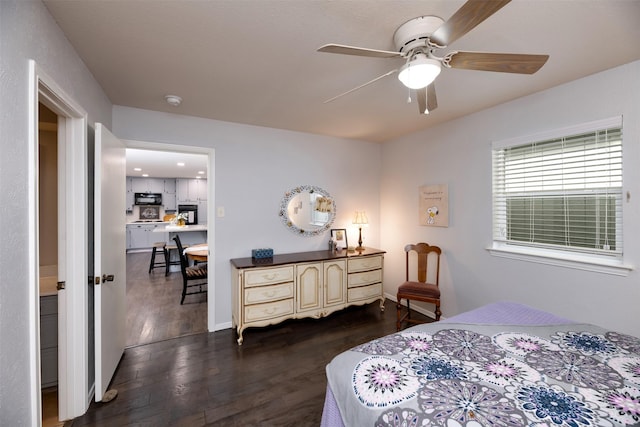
303	284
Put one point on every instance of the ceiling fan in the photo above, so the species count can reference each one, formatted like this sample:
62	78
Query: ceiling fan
417	40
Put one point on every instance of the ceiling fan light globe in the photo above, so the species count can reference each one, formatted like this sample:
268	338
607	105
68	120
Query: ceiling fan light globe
419	73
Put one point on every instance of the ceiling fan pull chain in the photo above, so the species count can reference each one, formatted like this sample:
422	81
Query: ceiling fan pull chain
408	96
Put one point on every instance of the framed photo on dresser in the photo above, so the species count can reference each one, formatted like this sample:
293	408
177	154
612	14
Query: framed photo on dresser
339	235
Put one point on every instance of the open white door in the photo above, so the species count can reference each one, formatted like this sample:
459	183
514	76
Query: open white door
110	267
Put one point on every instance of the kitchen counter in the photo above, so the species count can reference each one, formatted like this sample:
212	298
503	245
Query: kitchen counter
183	229
189	234
138	222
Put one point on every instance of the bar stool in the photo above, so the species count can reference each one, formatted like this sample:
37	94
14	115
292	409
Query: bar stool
157	247
167	255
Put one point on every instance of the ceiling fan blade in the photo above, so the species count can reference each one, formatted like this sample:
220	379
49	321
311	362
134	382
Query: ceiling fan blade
427	100
472	13
358	51
500	62
361	86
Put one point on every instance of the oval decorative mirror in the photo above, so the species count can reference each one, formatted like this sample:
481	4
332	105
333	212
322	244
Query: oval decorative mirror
307	210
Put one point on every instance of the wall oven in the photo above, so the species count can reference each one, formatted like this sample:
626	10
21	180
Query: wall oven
191	211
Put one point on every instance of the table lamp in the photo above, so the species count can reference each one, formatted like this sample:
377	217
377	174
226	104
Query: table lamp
360	220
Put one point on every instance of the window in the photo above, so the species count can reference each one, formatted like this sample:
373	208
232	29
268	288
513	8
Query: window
561	190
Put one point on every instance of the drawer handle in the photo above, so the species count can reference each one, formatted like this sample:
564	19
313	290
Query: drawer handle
269	310
269	276
269	294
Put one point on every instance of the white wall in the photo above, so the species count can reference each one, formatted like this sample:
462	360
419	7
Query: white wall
27	31
458	153
254	166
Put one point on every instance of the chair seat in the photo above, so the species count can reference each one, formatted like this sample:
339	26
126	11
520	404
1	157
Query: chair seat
197	271
416	290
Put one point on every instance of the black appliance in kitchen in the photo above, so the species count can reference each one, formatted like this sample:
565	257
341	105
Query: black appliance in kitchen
154	199
191	211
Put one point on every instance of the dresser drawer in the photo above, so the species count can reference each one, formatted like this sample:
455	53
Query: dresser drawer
268	276
364	264
364	292
270	310
260	294
364	278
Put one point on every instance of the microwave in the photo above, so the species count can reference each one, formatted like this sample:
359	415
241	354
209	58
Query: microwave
148	198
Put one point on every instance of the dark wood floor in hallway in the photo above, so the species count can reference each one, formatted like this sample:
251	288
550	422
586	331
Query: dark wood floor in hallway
154	312
276	378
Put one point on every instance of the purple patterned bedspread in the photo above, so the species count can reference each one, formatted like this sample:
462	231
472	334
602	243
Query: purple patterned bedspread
472	370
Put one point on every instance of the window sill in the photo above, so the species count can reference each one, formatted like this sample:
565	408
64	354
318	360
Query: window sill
562	259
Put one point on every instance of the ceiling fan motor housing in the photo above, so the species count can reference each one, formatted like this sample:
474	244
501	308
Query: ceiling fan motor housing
415	33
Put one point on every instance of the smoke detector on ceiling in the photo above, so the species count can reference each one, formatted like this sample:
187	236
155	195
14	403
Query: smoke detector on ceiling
173	100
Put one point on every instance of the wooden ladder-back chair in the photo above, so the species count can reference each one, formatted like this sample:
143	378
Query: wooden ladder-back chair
194	278
419	290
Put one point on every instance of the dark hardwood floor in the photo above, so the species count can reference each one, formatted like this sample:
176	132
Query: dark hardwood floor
276	378
154	312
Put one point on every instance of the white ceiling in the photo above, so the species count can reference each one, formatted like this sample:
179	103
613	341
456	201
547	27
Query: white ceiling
165	164
255	61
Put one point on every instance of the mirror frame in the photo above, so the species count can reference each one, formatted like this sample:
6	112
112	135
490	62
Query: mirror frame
284	205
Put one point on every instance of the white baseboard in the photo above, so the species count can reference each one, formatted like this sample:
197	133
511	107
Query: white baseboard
415	307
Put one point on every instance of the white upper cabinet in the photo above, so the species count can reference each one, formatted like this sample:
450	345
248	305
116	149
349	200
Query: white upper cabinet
191	190
147	185
169	186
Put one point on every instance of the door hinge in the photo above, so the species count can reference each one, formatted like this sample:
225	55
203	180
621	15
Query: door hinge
61	285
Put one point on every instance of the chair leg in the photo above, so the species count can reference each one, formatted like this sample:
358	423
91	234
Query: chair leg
438	312
167	261
398	313
184	291
153	259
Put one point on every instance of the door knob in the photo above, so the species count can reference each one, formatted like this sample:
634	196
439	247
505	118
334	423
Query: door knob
107	278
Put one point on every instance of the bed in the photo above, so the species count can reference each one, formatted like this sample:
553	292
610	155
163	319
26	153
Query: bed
504	364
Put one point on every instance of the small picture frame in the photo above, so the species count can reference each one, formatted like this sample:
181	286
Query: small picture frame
339	235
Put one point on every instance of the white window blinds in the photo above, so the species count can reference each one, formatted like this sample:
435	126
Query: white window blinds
561	192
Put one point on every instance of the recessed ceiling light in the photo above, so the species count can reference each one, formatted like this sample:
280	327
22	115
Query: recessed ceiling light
137	169
145	175
180	163
201	172
173	100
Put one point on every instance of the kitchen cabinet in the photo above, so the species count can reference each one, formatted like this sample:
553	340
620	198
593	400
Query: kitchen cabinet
130	199
49	340
165	186
147	185
141	236
169	186
203	211
191	191
304	284
169	194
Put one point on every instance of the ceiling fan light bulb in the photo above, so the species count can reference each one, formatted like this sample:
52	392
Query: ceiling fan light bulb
419	73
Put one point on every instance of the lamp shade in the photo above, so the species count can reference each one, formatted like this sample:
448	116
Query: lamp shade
361	218
419	72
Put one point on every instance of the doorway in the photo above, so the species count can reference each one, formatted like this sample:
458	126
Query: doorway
72	333
154	311
48	261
